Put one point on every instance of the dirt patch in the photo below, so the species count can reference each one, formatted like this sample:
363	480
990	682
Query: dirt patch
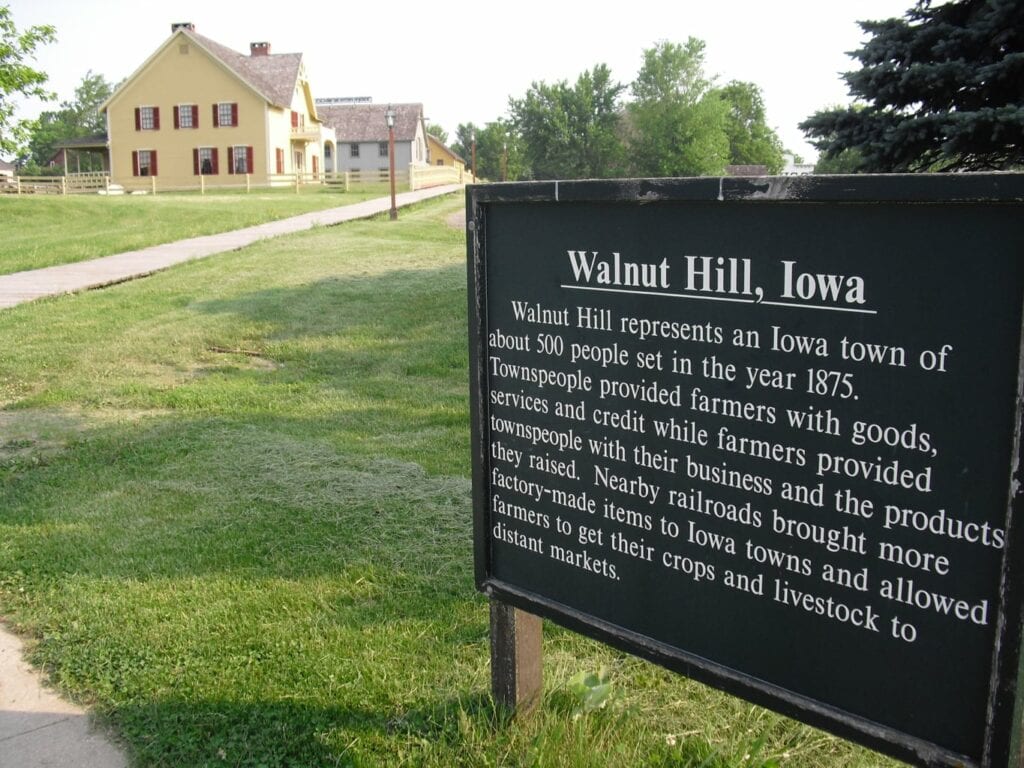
253	357
32	435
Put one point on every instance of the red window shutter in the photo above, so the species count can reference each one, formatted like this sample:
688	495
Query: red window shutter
234	114
195	161
156	118
152	163
248	159
280	160
138	119
231	160
177	120
295	119
195	115
216	117
216	167
135	163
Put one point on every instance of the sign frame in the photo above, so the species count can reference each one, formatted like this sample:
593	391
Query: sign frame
1003	743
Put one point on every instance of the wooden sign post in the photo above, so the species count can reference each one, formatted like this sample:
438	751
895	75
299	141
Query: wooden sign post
516	658
765	433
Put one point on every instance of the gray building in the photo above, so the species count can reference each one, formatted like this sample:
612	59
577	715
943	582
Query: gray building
361	133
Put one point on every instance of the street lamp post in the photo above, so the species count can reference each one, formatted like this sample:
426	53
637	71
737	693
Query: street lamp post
389	116
504	161
472	136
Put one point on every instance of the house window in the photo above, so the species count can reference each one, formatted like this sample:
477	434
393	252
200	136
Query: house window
382	149
144	162
204	161
186	116
225	114
241	159
353	150
440	162
147	118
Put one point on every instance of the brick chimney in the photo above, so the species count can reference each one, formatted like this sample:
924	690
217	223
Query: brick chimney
183	25
259	49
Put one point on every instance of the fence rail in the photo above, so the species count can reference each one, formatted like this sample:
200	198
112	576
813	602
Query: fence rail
415	177
436	176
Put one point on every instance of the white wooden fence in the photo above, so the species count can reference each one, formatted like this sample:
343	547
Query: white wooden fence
415	177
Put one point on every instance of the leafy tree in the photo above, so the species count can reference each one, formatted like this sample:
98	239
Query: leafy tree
17	77
940	89
677	120
751	141
572	132
499	153
438	132
463	144
75	119
847	161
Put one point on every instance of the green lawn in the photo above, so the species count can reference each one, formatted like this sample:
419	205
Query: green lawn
41	231
235	519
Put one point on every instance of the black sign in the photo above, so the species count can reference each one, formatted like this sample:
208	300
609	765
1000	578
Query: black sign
764	433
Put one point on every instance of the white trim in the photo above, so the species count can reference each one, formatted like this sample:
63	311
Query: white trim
181	127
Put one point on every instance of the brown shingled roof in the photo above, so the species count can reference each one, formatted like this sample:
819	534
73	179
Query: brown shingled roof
365	122
273	76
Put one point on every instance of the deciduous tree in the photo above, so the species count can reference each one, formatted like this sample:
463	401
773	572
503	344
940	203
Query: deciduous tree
75	119
751	141
17	76
677	120
438	132
572	131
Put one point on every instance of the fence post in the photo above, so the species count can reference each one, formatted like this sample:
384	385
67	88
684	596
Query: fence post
247	186
18	179
296	182
152	183
202	184
64	185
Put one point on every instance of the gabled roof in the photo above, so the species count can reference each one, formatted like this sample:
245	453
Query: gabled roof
272	76
432	140
366	122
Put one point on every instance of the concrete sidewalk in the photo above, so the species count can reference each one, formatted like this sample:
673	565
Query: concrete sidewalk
70	278
38	729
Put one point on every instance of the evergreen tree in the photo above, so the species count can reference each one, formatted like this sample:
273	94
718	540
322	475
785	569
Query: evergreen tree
940	89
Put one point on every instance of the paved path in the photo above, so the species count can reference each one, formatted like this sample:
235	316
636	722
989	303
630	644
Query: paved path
38	729
69	278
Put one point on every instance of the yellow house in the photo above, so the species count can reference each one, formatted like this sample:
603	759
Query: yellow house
439	154
199	111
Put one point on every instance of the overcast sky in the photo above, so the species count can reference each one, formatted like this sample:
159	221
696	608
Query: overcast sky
463	60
